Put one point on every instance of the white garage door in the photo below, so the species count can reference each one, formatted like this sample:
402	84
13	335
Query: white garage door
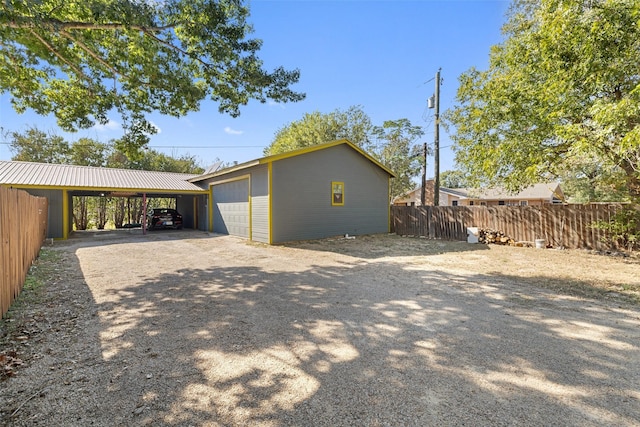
231	208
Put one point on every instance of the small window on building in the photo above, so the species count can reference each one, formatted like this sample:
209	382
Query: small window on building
524	203
500	202
454	203
471	203
483	203
337	193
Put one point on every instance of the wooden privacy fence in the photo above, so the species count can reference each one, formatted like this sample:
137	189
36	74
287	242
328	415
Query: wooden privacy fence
23	227
568	226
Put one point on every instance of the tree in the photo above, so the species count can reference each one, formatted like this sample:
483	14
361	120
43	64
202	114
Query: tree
453	179
81	60
317	128
563	87
395	150
38	146
155	161
88	152
585	181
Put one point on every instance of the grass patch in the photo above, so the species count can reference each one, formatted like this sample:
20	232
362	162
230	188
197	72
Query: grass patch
32	294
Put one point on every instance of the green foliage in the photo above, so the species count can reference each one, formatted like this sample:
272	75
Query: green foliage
453	179
624	227
34	288
37	146
318	128
396	139
587	182
562	89
82	60
155	161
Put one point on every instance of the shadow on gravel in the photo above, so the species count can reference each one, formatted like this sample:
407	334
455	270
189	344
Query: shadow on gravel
351	345
341	346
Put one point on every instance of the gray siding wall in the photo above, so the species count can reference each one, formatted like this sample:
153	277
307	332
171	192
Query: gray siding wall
203	213
55	219
260	204
184	205
302	196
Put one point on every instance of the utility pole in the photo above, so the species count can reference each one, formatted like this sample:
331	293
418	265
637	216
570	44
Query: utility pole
436	143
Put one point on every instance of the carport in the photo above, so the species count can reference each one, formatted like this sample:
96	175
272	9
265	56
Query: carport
60	183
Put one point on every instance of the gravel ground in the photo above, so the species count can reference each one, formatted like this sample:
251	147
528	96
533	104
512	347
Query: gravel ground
188	329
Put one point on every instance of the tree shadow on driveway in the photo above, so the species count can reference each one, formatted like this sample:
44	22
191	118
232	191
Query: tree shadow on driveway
276	339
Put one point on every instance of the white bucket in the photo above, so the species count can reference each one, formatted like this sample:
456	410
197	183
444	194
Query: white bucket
472	234
540	244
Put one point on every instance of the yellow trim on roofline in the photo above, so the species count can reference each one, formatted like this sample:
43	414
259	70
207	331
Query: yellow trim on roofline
235	178
298	152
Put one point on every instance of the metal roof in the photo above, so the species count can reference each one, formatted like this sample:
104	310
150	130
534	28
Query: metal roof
546	191
71	176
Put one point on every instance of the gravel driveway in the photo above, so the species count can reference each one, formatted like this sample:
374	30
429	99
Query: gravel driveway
188	329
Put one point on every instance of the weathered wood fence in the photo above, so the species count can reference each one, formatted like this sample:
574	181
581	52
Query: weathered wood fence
23	227
568	226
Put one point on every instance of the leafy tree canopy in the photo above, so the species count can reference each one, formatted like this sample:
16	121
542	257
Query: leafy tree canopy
318	128
562	89
38	146
453	179
397	151
79	60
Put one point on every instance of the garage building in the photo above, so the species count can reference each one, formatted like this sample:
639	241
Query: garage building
320	191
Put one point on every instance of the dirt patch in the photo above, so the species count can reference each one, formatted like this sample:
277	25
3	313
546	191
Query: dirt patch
184	328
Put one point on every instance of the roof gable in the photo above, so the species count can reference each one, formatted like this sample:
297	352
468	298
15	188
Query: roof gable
294	153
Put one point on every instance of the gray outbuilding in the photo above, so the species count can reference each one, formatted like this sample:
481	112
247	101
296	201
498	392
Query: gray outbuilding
320	191
316	192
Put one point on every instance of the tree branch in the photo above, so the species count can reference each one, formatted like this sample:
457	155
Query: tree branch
57	25
90	52
62	58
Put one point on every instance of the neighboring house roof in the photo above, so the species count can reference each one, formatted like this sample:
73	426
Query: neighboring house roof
294	153
71	176
540	191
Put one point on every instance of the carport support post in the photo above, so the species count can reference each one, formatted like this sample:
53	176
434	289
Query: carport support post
144	213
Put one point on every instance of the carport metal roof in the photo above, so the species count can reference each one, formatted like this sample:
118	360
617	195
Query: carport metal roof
71	177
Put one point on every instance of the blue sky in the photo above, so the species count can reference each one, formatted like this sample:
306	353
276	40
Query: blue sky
381	55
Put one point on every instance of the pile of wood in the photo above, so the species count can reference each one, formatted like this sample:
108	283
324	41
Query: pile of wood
489	236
